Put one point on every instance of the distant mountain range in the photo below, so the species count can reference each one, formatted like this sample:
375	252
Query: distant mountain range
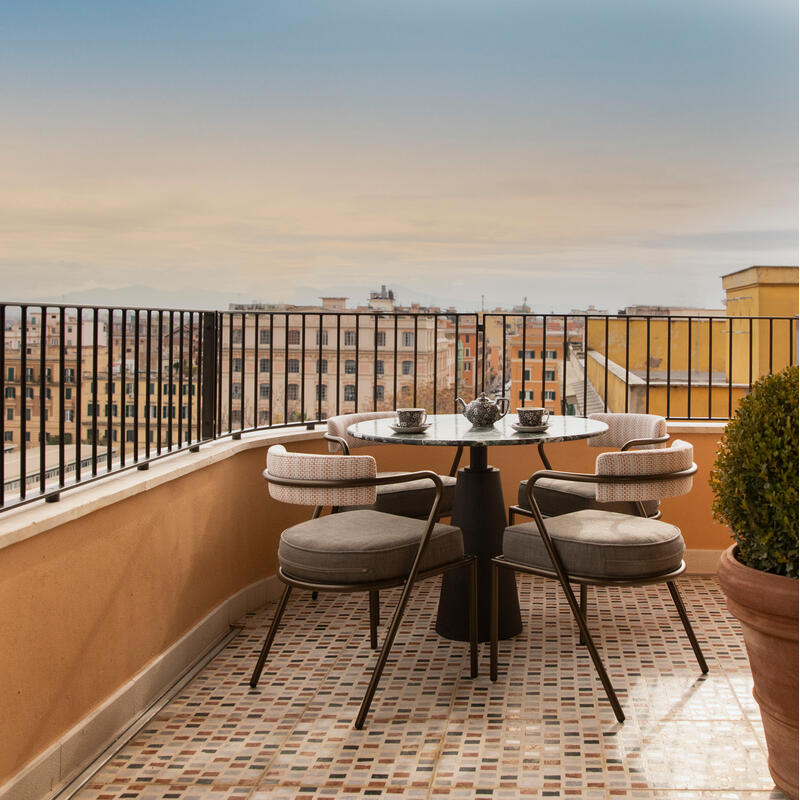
198	298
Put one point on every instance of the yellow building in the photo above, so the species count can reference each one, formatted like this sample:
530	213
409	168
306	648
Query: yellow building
697	365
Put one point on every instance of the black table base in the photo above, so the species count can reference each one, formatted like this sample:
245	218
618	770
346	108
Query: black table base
479	510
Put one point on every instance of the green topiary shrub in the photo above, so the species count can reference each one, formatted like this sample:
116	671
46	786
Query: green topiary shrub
754	479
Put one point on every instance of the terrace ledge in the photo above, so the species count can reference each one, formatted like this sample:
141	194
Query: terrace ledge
17	525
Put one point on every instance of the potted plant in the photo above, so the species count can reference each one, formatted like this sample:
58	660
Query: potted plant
754	481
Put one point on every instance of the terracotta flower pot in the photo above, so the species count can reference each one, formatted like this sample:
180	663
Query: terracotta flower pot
766	606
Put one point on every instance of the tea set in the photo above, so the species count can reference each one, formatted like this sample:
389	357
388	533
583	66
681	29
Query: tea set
482	412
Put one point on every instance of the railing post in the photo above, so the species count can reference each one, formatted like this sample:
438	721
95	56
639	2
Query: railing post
209	386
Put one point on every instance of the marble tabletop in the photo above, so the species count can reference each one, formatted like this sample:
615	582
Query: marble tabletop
455	430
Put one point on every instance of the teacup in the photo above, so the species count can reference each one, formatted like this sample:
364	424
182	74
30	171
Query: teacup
532	417
411	417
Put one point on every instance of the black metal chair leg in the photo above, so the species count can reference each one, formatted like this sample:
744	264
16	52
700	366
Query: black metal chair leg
270	636
473	619
589	642
584	601
374	618
673	590
494	622
384	654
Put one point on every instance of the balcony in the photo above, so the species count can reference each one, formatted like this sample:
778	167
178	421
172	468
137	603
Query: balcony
134	606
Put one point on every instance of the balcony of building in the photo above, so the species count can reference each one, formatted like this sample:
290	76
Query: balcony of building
134	604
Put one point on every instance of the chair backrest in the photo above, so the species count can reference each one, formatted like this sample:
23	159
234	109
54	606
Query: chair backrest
337	426
645	464
309	467
623	428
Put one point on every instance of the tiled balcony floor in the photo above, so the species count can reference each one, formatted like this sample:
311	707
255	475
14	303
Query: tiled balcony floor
544	729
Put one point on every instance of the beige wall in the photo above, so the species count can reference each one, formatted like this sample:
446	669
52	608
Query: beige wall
85	606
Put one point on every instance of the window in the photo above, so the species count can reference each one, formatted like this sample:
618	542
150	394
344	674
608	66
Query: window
114	436
10	373
129	436
236	416
408	339
324	337
293	336
405	389
526	375
379	367
92	408
128	388
9	436
349	338
350	392
152	436
184	412
549	395
549	354
293	391
549	374
47	393
263	417
110	388
408	367
151	388
350	367
466	352
11	392
265	337
293	365
9	413
468	366
165	412
237	336
29	373
48	374
264	364
69	415
236	392
130	411
322	366
526	395
322	391
27	415
237	364
263	391
526	354
153	412
69	375
379	392
68	393
381	339
29	392
113	410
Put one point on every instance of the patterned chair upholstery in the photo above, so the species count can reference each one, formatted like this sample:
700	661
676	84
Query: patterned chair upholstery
601	547
361	550
407	499
643	431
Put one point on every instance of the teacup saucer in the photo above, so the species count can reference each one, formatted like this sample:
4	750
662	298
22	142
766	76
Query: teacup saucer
530	428
410	428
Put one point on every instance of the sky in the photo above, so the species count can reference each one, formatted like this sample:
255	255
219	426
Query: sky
571	153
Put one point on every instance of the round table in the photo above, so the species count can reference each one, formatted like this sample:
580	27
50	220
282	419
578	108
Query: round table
478	507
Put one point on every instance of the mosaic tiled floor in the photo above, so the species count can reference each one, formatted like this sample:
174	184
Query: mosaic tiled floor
545	729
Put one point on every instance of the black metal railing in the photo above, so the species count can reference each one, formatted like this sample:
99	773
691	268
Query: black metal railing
92	390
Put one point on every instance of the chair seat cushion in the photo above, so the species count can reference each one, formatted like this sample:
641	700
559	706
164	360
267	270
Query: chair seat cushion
556	497
599	544
363	546
412	499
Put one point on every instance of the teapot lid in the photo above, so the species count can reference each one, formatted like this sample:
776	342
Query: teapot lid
483	398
